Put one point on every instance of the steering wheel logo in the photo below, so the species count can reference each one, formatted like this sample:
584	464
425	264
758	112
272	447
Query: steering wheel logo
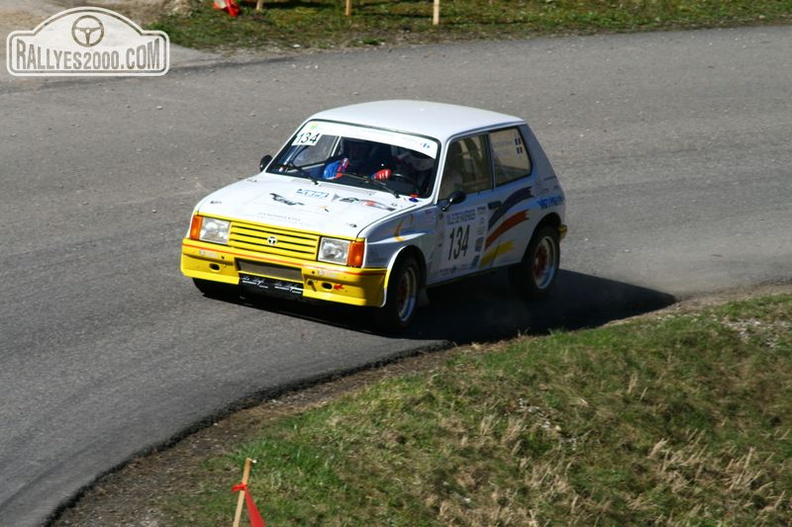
87	31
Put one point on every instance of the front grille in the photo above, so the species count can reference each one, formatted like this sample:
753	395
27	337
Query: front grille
273	241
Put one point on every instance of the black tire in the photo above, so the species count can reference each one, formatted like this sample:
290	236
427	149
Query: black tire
401	298
214	289
535	276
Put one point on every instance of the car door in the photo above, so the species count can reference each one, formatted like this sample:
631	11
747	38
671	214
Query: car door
514	206
462	227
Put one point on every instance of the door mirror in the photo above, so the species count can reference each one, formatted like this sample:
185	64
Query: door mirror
264	162
457	196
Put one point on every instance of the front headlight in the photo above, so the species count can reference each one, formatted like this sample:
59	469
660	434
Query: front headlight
214	230
342	252
333	250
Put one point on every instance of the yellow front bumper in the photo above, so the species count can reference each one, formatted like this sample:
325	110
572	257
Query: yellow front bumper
333	283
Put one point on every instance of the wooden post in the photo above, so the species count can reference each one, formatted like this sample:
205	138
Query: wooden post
436	13
259	5
348	8
241	499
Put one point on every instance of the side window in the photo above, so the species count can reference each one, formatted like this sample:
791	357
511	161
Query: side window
467	166
510	156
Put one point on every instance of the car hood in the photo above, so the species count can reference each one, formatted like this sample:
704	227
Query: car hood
297	203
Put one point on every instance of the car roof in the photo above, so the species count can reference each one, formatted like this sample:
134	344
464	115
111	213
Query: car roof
433	119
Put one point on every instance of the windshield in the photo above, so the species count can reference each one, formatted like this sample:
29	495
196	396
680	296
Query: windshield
362	157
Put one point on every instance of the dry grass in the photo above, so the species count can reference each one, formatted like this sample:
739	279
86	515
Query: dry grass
321	24
678	419
682	421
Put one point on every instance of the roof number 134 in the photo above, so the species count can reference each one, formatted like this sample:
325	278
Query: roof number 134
307	138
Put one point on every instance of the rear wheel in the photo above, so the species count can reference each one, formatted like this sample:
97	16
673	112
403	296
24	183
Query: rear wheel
535	276
401	297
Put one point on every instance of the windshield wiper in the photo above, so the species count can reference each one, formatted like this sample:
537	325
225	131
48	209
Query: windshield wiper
299	169
370	181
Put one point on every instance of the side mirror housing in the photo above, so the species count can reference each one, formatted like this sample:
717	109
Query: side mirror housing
264	162
454	198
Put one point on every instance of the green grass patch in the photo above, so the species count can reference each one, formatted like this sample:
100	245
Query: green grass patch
321	24
677	419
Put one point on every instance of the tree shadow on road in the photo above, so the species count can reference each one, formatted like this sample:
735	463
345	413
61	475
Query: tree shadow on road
485	309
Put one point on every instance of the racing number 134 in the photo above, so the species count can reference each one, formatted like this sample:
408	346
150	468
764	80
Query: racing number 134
458	245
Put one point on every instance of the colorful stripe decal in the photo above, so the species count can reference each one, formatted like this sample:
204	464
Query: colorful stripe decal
507	224
511	201
488	258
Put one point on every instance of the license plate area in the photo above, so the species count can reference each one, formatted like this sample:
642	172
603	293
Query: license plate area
270	286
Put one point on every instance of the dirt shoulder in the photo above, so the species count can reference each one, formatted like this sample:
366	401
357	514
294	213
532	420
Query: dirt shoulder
134	494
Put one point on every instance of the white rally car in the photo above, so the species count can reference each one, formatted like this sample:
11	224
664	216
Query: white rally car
372	203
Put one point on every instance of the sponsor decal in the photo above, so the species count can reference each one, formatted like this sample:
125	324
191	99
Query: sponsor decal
552	201
285	201
270	285
314	194
367	203
462	216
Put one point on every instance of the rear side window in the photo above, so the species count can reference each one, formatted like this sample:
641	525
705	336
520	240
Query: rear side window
510	156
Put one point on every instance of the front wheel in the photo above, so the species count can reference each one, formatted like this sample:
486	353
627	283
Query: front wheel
401	296
535	276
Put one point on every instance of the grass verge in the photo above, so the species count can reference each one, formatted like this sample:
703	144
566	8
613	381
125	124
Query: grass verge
679	419
321	24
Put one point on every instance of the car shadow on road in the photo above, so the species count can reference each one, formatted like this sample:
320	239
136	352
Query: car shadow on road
485	309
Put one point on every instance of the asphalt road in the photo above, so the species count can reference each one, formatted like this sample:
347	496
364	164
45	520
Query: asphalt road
674	149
